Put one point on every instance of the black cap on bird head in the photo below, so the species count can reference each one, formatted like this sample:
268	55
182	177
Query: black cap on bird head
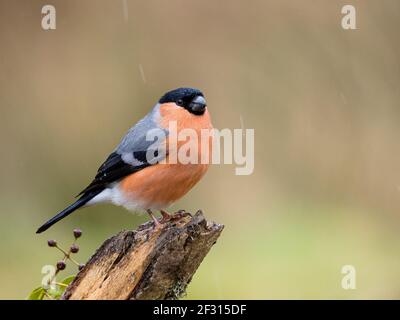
189	98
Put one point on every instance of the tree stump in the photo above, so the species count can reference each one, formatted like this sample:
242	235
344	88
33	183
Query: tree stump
148	263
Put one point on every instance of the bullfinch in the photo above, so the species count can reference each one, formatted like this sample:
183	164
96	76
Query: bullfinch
129	177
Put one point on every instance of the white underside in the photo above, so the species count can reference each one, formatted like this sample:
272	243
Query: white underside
114	195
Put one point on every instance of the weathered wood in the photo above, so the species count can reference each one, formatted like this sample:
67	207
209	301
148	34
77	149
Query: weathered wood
147	263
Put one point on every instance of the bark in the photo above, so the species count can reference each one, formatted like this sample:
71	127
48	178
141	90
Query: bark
148	263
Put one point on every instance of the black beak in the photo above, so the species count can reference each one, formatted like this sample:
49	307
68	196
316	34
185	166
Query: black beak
198	105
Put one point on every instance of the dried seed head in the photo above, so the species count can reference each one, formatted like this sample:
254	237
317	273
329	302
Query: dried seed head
74	248
51	243
77	233
61	265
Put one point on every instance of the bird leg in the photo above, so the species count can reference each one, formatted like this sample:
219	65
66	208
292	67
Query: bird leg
156	222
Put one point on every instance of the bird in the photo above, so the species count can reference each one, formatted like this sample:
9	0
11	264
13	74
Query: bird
129	177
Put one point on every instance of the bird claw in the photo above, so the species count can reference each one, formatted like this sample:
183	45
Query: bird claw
166	217
180	214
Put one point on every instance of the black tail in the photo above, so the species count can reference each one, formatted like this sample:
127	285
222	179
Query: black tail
67	211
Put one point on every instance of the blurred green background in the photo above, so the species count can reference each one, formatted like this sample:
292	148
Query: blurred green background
324	103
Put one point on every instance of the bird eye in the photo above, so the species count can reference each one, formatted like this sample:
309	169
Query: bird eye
179	102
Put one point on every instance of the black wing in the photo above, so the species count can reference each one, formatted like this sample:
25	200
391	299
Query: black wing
114	169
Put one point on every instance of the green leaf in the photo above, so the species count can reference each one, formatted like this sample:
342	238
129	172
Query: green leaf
37	294
58	291
68	280
55	292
